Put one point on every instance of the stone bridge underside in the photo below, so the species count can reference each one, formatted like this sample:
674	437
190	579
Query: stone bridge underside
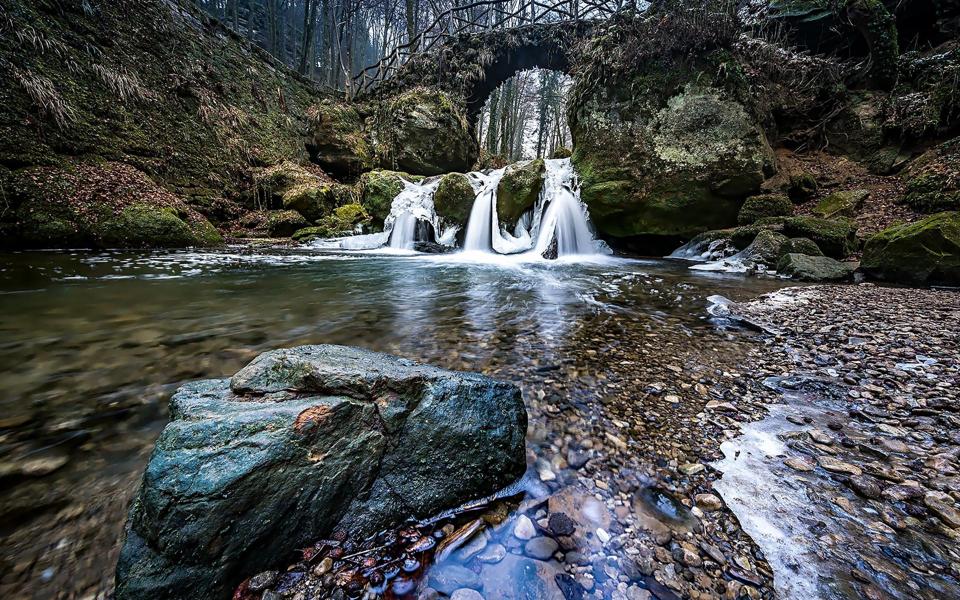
472	66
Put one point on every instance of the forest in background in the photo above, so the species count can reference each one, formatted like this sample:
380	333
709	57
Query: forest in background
331	41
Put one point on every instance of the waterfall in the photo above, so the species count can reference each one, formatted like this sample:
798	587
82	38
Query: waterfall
559	218
404	232
483	220
565	220
557	225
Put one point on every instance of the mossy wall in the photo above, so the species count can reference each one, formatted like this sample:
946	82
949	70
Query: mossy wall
148	83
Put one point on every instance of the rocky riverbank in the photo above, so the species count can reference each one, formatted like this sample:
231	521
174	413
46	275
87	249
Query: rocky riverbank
628	496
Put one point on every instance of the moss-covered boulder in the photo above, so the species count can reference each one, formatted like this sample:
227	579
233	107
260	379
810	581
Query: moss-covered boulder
841	204
765	205
837	238
519	189
803	246
766	248
562	152
454	198
933	179
100	204
923	252
284	223
377	189
343	221
423	131
662	151
288	182
317	201
337	140
814	268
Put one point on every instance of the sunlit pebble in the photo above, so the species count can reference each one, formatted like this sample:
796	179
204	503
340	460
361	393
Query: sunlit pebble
410	565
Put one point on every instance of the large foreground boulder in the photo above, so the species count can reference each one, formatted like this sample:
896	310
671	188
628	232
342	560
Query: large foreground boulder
924	252
303	442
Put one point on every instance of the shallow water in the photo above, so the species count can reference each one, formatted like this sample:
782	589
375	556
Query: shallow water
94	343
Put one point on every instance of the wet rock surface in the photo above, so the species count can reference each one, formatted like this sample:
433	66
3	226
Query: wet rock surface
860	445
300	443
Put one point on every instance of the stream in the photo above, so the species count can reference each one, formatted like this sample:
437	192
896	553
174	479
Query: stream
94	343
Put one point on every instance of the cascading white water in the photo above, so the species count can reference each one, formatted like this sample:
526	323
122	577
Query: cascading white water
565	219
558	217
483	216
404	232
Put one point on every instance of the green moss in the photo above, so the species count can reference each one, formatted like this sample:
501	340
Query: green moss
803	246
309	233
454	198
98	205
284	223
377	189
841	204
933	180
926	251
344	220
518	190
562	152
768	205
837	238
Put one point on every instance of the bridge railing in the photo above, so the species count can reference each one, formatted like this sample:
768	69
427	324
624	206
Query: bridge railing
478	17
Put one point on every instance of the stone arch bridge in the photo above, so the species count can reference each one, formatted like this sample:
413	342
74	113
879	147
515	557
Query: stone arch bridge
475	58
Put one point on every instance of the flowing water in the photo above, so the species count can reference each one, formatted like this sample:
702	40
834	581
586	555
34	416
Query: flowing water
93	343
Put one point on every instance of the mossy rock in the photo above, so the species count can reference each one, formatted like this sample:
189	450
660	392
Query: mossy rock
377	189
841	204
98	204
933	180
766	205
337	139
562	152
802	187
664	152
744	235
343	221
424	131
454	198
766	248
284	223
804	246
316	201
288	182
309	233
837	238
519	189
814	268
146	225
923	252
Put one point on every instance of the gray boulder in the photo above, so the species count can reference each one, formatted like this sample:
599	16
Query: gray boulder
814	268
300	443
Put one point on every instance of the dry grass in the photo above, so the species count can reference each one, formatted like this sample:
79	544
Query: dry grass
124	85
44	96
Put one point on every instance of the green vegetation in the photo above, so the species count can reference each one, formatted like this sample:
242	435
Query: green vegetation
767	205
923	252
454	198
518	190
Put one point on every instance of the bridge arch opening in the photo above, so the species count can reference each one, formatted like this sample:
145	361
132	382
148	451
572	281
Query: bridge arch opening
525	117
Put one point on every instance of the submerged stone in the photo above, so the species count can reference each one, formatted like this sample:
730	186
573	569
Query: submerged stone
299	443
